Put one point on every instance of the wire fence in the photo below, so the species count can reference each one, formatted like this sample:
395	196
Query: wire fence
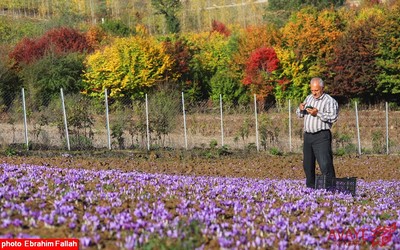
160	120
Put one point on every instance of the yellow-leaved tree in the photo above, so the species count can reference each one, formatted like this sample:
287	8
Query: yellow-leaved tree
294	76
211	53
308	42
313	33
127	68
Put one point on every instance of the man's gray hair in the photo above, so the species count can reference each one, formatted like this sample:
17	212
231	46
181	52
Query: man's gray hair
319	80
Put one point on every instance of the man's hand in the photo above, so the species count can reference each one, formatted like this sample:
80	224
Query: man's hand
312	111
302	106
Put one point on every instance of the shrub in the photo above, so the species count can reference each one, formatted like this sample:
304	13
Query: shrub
47	76
59	41
163	112
378	142
213	143
275	151
117	132
80	142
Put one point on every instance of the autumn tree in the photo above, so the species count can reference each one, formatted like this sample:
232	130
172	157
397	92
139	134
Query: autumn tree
95	36
127	68
250	39
219	27
64	40
59	41
50	62
181	55
353	67
27	51
308	42
312	33
260	65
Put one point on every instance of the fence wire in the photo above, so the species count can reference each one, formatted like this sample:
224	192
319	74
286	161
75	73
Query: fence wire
163	122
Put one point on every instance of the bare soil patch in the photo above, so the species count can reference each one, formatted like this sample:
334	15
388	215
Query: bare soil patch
236	164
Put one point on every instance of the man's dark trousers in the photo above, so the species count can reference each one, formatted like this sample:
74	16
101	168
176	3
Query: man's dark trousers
318	146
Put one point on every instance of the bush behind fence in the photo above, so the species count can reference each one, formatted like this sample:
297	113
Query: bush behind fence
162	120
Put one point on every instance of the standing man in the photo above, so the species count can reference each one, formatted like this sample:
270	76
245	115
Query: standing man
319	111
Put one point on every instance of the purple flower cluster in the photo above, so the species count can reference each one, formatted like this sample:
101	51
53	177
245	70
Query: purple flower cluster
129	208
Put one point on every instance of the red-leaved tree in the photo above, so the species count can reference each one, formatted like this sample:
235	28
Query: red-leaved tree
219	27
261	63
181	55
59	41
353	68
66	40
27	51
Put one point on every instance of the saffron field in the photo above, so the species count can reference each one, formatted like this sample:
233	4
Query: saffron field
117	209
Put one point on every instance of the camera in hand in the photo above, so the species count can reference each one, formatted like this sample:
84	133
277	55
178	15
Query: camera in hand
309	107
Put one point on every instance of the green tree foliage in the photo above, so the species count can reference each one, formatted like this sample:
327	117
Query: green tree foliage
44	78
169	9
230	87
353	68
10	84
128	67
116	28
389	53
226	81
212	52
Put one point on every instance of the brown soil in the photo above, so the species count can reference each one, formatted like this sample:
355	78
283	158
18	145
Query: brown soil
253	165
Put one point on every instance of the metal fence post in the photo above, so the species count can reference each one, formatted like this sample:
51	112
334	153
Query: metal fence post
222	120
107	119
184	120
147	124
358	129
65	119
25	120
290	127
256	117
387	128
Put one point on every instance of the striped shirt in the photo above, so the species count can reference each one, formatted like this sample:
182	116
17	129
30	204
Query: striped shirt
328	111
